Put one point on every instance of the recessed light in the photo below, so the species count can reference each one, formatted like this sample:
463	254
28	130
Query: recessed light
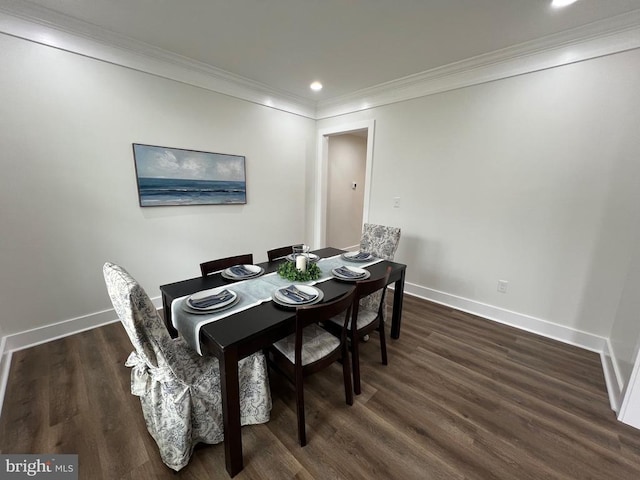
316	86
562	3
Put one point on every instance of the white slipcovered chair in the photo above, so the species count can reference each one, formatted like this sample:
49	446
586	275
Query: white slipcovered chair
179	390
380	240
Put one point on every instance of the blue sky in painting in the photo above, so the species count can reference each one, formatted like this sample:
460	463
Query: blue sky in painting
162	162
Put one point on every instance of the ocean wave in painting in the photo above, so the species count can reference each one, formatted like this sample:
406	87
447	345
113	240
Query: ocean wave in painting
176	191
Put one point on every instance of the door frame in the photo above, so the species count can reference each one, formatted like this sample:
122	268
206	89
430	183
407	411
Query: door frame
322	167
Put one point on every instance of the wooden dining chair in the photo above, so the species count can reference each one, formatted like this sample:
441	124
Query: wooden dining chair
367	316
280	252
220	264
311	349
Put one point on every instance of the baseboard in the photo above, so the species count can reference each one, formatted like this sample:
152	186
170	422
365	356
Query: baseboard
585	340
594	343
5	363
612	377
535	325
629	412
37	336
48	333
528	323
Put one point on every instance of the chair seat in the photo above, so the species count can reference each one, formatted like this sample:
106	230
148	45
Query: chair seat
365	317
317	343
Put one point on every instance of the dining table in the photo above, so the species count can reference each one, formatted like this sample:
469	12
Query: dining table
242	333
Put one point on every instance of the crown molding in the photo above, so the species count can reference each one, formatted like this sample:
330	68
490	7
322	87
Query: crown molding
41	25
614	35
44	26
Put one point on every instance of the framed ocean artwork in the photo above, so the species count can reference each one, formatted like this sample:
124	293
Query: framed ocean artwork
175	176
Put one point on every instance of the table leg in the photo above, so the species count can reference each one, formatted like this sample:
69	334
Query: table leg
398	294
230	388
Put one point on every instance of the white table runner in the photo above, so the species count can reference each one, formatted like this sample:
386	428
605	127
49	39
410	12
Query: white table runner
251	292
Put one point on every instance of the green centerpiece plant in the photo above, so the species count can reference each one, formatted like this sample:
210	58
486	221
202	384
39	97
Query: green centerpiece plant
289	271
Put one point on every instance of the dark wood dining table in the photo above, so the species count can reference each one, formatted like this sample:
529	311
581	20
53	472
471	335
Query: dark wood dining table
235	337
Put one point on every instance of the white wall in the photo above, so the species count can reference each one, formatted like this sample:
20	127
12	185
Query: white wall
68	191
529	179
347	162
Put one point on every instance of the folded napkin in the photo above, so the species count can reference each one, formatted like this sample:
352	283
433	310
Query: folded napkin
211	300
361	255
241	271
346	272
297	295
305	295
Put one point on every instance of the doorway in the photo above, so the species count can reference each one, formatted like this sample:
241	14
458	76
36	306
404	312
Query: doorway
346	167
328	197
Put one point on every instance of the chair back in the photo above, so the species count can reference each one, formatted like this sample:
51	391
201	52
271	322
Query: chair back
322	312
380	240
280	252
370	294
221	263
137	314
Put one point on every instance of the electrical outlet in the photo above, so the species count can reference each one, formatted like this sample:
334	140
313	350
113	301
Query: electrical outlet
396	202
502	286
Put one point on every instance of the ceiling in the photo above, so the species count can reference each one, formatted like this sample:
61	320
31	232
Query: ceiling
348	45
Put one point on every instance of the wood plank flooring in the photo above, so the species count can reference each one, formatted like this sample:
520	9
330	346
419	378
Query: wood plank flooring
461	398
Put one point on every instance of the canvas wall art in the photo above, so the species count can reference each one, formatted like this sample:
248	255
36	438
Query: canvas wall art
175	176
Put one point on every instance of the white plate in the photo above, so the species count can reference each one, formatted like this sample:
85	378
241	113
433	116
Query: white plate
187	308
281	299
206	293
349	256
364	274
312	257
254	269
303	288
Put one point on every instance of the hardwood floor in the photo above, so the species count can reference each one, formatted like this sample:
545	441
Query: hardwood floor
461	398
